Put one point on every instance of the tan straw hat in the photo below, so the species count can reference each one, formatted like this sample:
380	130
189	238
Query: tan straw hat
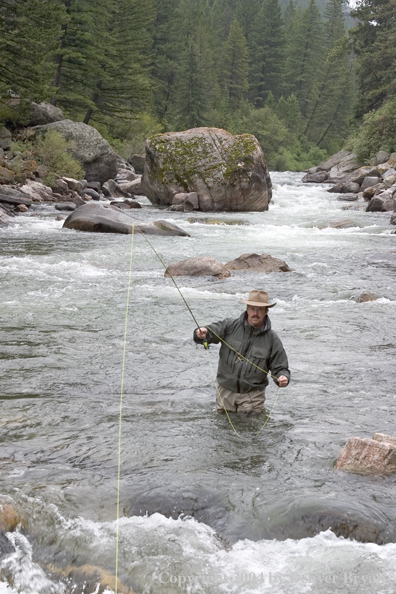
258	299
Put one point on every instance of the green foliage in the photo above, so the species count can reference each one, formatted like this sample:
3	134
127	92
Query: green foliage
129	138
29	34
287	160
53	151
267	53
377	132
190	98
243	66
14	115
269	131
233	71
373	40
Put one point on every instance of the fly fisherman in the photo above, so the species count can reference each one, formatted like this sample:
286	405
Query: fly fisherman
241	385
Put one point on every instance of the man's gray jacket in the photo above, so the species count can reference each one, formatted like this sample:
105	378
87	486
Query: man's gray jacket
261	346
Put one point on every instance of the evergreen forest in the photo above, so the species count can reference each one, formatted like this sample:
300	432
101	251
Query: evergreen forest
289	73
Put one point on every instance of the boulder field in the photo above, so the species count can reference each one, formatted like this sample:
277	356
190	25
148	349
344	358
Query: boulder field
375	183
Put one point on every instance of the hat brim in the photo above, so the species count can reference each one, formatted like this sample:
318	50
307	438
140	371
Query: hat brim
258	304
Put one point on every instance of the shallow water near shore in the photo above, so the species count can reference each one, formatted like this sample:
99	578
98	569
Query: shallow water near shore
202	510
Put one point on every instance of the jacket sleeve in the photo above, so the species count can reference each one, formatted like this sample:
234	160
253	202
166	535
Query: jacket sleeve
218	328
278	362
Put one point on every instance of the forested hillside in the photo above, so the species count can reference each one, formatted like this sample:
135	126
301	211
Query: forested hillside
135	67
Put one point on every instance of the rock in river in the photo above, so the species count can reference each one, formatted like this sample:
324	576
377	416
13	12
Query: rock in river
369	456
259	263
228	173
198	266
101	218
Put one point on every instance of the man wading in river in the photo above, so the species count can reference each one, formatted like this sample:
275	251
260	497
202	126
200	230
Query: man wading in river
242	379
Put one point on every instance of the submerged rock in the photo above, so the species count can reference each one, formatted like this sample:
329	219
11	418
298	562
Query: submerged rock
217	221
341	523
6	547
228	173
199	504
90	578
369	456
198	266
342	224
366	296
260	263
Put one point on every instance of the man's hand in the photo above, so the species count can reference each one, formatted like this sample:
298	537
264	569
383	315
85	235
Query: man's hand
283	381
201	333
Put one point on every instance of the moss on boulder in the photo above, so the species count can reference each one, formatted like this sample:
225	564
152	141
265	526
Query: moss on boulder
229	173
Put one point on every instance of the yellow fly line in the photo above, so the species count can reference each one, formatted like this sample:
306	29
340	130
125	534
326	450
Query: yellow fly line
120	414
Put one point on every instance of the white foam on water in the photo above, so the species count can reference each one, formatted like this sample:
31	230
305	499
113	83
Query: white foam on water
60	270
159	554
26	576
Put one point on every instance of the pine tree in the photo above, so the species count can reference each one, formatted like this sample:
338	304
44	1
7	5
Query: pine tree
246	13
29	35
166	51
305	56
123	85
331	111
102	67
288	110
190	97
85	49
288	15
222	14
374	45
234	61
267	54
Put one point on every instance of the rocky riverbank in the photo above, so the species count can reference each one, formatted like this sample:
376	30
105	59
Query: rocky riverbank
374	185
25	181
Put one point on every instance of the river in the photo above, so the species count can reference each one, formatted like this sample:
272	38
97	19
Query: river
201	509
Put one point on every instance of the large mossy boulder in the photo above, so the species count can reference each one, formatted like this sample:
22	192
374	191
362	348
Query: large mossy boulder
90	149
228	173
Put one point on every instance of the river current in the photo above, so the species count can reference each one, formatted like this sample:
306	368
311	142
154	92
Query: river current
201	510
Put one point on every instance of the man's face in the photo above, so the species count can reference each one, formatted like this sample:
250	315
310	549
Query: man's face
256	315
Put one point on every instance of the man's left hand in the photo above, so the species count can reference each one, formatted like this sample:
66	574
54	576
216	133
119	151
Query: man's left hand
283	381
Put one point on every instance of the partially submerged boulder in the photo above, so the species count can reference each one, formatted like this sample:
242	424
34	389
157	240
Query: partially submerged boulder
99	218
342	524
198	266
259	263
90	578
369	456
366	296
342	224
90	149
228	173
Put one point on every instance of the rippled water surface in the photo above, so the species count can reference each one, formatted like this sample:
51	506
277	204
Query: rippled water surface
245	503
